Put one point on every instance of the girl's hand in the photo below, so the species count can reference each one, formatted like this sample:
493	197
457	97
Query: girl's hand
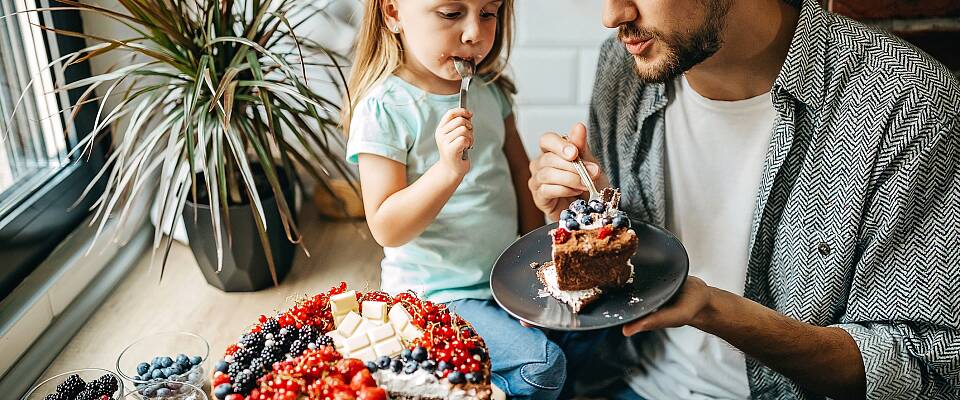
454	136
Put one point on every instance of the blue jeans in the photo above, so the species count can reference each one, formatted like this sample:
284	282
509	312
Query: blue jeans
527	363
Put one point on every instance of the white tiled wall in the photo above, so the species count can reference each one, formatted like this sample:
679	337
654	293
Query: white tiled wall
554	60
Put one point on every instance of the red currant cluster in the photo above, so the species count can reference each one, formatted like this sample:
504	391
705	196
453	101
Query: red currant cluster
446	336
318	374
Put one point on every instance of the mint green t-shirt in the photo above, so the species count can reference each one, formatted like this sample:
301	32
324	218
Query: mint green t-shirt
452	258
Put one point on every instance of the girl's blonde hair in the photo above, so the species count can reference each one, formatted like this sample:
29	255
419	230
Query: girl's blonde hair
379	53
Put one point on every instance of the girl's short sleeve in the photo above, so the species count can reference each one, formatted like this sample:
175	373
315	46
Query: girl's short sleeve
506	107
376	129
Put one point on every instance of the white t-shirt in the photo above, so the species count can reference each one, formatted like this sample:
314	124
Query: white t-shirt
715	152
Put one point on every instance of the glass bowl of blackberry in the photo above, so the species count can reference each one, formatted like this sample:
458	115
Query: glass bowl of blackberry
178	357
81	384
167	390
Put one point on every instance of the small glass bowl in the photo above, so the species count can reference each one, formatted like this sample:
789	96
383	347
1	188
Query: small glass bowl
167	390
153	348
48	386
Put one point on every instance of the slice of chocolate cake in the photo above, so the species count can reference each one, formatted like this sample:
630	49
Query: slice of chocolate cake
591	251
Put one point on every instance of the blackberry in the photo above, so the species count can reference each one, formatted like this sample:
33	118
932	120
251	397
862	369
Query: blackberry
88	394
252	341
271	326
243	383
235	368
298	347
271	354
72	386
108	384
324	340
56	396
243	356
287	337
308	334
258	367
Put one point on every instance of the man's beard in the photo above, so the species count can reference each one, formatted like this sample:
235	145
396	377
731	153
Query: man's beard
683	50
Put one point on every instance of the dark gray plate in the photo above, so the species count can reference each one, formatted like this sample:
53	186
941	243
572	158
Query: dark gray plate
660	268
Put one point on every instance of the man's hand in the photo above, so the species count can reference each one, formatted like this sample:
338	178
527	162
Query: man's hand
688	308
554	181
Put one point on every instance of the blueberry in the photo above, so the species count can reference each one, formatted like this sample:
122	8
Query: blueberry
419	354
142	368
182	359
222	390
571	224
396	365
383	362
443	366
428	365
166	361
150	392
621	221
456	378
176	369
579	206
164	392
406	354
157	374
196	360
156	364
597	206
474	377
410	367
221	366
567	214
372	366
587	219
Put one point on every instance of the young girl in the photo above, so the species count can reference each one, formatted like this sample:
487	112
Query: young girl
443	220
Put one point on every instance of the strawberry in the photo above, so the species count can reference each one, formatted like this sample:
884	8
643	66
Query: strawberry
372	393
604	232
350	367
362	379
560	235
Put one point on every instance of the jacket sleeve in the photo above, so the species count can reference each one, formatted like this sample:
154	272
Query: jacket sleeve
903	310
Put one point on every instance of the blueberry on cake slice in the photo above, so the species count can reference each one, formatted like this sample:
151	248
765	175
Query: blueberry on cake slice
591	251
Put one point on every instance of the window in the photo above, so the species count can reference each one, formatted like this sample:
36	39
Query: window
39	183
33	145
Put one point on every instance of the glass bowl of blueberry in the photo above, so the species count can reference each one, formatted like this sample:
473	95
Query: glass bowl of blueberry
82	384
167	390
166	357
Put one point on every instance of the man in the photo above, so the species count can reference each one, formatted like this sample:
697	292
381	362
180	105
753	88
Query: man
810	167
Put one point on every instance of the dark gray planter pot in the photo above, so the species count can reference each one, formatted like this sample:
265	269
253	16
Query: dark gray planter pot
245	267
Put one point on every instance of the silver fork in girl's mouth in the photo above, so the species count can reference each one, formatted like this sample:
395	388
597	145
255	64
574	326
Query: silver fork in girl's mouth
465	69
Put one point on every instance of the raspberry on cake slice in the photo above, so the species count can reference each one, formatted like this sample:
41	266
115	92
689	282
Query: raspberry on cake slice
591	251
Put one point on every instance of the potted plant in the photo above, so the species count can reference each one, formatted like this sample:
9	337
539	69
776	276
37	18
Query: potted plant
215	113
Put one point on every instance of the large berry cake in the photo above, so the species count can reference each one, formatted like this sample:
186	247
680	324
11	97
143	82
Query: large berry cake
591	251
352	345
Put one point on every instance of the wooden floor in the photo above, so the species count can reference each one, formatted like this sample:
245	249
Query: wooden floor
142	304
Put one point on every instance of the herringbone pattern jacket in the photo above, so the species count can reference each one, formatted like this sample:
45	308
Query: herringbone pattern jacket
857	219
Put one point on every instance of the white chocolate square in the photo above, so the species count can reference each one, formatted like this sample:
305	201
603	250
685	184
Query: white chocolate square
366	354
389	347
375	310
349	324
398	315
381	333
343	303
338	339
410	332
356	342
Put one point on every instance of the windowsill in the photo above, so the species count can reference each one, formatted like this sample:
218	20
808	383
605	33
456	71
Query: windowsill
140	305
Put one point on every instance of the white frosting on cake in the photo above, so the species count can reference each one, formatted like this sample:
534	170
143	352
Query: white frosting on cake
574	298
423	384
